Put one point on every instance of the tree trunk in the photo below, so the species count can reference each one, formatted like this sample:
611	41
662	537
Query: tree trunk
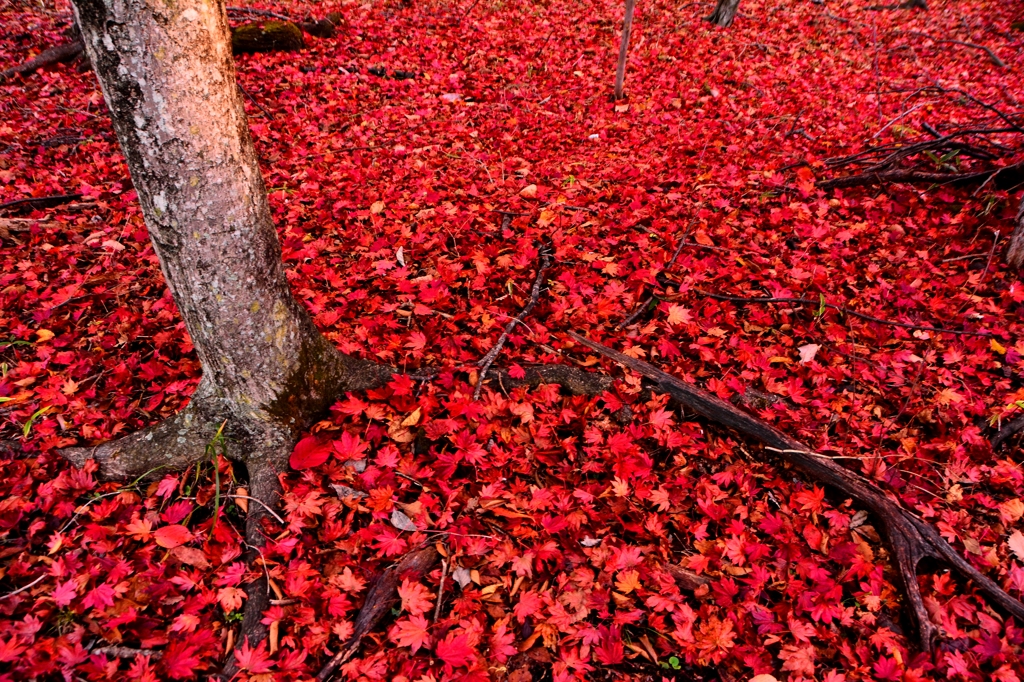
725	12
620	70
169	81
168	78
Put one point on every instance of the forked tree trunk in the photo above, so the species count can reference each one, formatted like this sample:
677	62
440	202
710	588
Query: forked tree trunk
168	78
725	12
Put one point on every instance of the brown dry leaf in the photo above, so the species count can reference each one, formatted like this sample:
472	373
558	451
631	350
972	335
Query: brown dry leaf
192	556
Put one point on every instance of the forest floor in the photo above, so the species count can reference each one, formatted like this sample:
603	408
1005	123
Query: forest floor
389	151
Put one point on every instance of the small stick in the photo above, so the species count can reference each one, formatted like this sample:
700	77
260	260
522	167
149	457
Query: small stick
440	590
42	202
253	100
35	582
992	56
486	362
261	12
635	314
668	268
125	652
262	504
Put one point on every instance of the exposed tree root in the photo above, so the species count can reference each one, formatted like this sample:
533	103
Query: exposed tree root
181	440
911	538
166	447
379	600
265	487
1010	428
54	55
1007	176
576	380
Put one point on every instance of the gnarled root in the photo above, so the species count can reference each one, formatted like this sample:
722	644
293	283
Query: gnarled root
910	538
265	487
576	380
179	442
169	446
54	55
1008	430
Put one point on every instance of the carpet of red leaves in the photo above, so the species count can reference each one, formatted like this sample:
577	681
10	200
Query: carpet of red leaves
558	514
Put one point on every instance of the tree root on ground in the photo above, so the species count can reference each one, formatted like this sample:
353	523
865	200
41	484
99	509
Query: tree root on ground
911	538
183	440
1007	176
379	601
1008	430
49	57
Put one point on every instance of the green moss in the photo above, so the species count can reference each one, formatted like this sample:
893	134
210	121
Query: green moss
266	36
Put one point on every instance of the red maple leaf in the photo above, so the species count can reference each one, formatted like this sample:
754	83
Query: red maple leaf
455	650
253	660
350	447
309	452
416	598
413	632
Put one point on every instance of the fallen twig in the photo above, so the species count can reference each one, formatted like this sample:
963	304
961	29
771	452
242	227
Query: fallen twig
32	584
261	13
486	362
126	652
252	99
993	57
1014	173
261	503
440	590
54	55
668	268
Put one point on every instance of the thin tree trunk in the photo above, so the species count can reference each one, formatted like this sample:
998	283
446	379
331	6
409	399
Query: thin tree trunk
725	12
620	70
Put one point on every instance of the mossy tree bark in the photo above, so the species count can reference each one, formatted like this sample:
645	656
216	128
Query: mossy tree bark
168	77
